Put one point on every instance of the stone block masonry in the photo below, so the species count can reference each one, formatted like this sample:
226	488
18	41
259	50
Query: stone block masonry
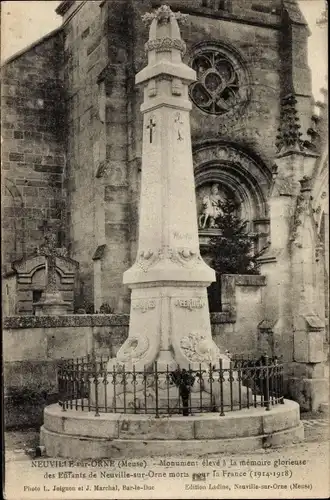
33	153
95	73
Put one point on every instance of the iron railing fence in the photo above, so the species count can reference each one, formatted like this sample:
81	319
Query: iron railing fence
85	384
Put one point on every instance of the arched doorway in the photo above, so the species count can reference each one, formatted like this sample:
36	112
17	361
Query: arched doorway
225	170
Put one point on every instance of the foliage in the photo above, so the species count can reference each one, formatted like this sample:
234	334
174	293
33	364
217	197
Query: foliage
106	309
182	379
232	250
83	307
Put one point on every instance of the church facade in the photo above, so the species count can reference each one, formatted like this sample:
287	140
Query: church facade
72	132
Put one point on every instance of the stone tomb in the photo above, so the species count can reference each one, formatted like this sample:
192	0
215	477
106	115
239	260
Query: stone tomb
24	285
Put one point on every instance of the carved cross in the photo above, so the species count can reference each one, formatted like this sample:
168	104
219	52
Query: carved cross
48	249
150	127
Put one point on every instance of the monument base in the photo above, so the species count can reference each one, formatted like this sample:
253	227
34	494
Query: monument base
51	304
82	435
168	400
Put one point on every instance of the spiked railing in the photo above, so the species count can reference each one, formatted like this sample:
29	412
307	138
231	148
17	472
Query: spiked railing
84	385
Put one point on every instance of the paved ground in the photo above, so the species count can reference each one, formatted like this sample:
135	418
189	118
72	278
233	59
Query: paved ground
303	472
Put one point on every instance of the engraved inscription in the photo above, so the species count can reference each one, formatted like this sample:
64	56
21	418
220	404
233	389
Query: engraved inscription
178	121
182	236
190	304
144	305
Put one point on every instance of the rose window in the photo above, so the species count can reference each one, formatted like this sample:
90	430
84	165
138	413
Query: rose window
219	82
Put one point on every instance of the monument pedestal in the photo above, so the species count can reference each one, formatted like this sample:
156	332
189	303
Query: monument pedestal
51	304
171	325
81	435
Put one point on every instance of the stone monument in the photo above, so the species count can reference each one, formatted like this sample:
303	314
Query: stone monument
51	302
169	318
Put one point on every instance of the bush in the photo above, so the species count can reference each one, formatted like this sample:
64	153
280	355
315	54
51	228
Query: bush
232	250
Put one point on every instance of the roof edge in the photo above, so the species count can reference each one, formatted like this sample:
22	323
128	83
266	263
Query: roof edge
295	13
32	46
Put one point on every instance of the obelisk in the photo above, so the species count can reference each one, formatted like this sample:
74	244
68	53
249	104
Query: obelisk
169	317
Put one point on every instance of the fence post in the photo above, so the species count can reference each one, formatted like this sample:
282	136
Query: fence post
134	387
82	383
145	390
282	381
231	380
168	389
221	380
114	382
105	386
200	388
239	380
267	384
62	387
124	384
96	383
156	389
211	385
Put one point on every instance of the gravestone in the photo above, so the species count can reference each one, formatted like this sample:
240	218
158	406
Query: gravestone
51	301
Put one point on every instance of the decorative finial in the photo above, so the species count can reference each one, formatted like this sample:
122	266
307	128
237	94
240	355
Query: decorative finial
289	136
163	15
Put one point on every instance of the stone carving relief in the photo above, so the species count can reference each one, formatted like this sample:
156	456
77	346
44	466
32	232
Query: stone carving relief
183	256
302	209
178	122
211	208
165	45
230	154
148	258
237	174
199	348
164	15
133	349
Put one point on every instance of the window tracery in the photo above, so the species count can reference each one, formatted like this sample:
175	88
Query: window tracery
222	83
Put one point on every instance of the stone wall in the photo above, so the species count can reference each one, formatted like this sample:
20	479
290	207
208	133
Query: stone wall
32	347
32	152
95	68
236	327
84	58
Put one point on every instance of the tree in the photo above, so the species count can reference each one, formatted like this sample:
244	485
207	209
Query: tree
232	250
